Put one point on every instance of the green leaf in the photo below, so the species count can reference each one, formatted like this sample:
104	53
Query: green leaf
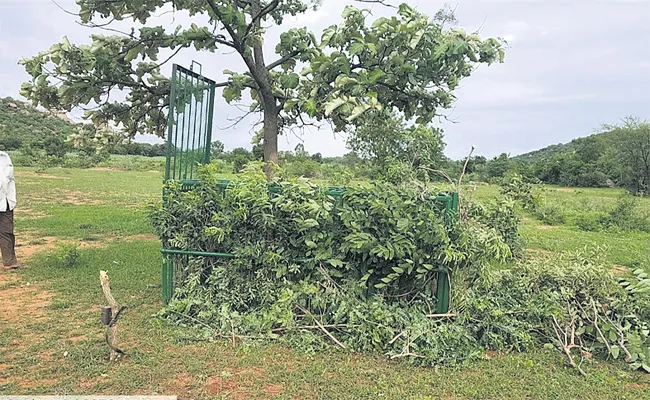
415	40
357	111
332	105
615	351
310	107
348	10
375	75
327	35
335	263
357	48
290	81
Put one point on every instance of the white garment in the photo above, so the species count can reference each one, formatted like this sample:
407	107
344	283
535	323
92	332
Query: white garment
7	183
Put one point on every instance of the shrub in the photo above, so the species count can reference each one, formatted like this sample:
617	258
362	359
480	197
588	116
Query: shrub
590	222
626	215
499	215
367	277
306	167
550	214
375	259
67	255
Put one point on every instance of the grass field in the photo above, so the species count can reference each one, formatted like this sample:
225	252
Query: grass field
51	338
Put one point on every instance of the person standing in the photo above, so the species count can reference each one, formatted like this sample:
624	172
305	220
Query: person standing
7	205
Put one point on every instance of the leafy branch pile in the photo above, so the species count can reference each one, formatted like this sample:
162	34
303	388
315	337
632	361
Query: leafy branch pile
361	274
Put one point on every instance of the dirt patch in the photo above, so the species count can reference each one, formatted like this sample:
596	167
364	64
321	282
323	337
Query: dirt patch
274	389
27	245
48	176
620	270
142	236
105	169
26	250
78	198
236	383
547	227
28	213
19	299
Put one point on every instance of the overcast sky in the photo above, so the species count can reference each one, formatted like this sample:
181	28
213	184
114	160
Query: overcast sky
570	67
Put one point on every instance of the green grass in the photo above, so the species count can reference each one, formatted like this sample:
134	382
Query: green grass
58	347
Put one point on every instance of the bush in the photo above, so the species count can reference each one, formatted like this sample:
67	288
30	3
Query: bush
367	278
550	214
67	255
307	168
590	222
370	263
626	215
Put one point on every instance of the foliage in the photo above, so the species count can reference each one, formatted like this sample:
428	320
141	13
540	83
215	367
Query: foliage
388	140
498	214
550	214
619	155
568	303
367	264
22	126
67	255
409	63
517	188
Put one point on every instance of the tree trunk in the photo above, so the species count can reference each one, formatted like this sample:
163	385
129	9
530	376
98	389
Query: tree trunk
270	141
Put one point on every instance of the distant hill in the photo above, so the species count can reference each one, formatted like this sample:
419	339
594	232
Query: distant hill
576	145
22	125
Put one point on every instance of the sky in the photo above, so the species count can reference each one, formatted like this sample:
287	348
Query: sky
570	67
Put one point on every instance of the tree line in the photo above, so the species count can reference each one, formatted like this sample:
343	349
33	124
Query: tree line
618	156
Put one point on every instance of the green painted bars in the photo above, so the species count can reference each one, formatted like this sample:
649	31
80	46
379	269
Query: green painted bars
189	126
189	138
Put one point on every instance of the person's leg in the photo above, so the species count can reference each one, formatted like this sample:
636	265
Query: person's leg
7	239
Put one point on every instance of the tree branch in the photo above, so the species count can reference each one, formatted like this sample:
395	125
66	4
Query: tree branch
257	18
237	45
283	60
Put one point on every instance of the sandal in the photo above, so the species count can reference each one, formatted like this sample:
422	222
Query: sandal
15	266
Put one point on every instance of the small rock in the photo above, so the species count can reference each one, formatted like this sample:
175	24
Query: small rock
65	354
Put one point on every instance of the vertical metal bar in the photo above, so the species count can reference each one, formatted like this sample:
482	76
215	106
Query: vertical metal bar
180	156
442	293
165	280
195	89
176	117
201	125
210	116
170	123
190	130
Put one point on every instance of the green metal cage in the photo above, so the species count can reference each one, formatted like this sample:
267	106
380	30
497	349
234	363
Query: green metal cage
189	139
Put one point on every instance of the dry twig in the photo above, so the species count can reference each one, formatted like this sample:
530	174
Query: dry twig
115	307
321	327
567	345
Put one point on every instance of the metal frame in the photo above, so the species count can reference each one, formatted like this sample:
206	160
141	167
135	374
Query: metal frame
191	112
182	123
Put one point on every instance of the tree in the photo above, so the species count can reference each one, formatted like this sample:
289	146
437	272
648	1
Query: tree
633	139
388	140
300	151
407	63
498	166
216	149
